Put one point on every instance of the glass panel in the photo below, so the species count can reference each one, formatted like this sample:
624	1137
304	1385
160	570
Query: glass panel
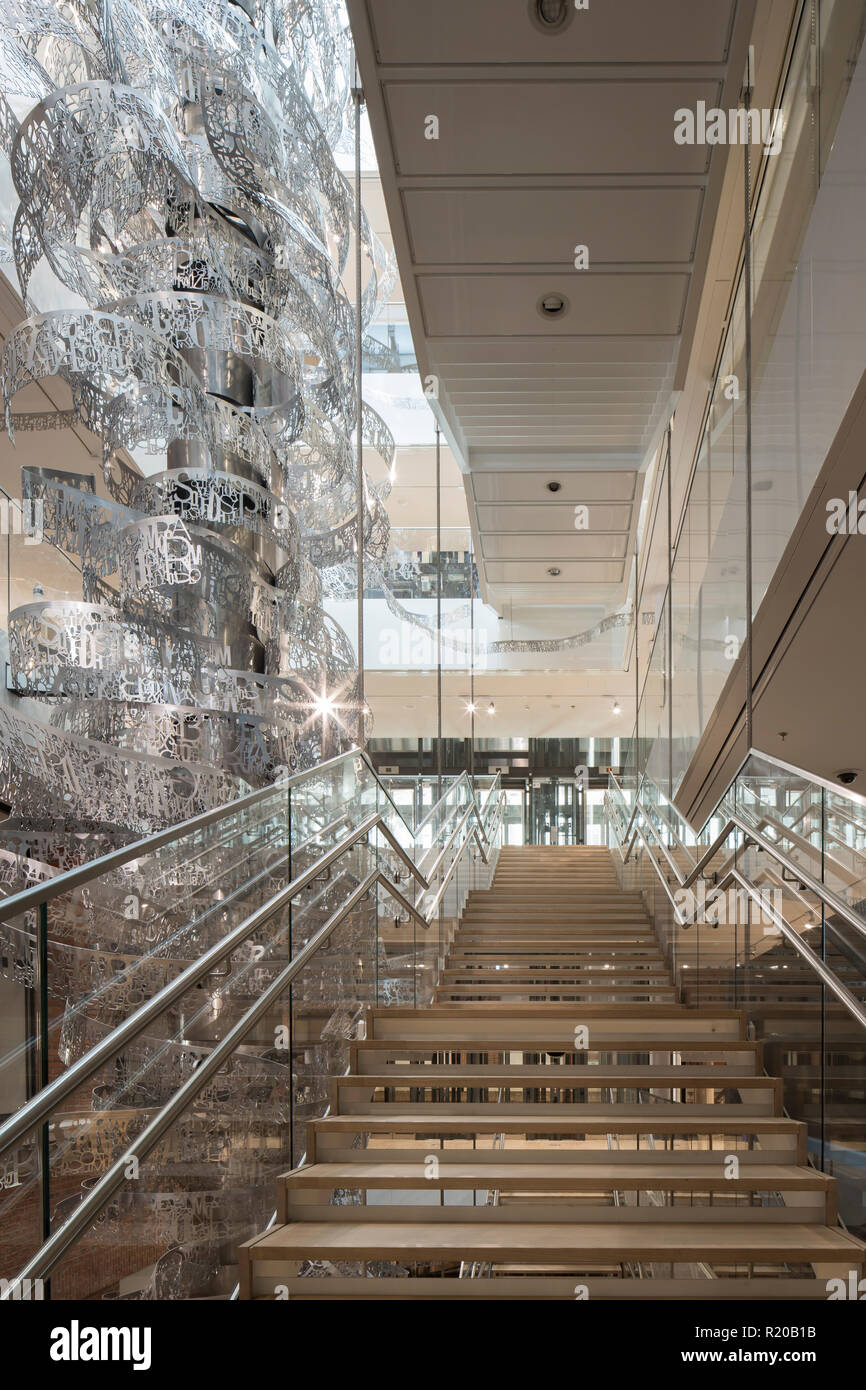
709	614
841	1149
809	350
654	733
809	292
171	1230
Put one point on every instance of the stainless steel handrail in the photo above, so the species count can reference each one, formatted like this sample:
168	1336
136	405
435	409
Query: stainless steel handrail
850	1002
40	1105
44	1101
471	809
827	896
37	1109
737	821
115	859
843	994
53	1249
157	951
457	782
843	793
463	779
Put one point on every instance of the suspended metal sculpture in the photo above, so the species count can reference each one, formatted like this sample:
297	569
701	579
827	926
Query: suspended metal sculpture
175	170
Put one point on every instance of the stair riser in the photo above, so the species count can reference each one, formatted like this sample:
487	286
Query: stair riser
279	1282
559	1030
309	1207
535	994
727	1114
364	1057
552	977
525	956
325	1139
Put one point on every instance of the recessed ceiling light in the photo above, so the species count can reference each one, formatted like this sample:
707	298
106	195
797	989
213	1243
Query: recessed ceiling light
553	305
554	572
616	708
491	708
550	15
554	487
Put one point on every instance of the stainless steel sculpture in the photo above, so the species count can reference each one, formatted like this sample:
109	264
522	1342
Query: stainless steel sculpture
175	169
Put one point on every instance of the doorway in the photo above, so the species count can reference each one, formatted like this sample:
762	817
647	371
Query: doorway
556	812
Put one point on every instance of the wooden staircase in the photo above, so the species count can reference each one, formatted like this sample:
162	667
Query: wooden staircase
556	1125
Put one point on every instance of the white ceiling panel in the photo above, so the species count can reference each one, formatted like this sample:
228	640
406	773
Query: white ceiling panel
454	32
512	226
553	128
602	517
538	572
541	545
601	485
471	305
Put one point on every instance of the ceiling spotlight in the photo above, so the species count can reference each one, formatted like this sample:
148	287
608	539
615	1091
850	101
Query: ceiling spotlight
553	305
550	15
616	708
554	487
554	572
470	708
491	708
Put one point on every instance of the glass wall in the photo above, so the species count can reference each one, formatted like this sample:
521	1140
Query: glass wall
808	327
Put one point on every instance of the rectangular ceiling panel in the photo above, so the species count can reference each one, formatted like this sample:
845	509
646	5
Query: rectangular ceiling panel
501	31
525	128
607	485
510	226
477	305
576	545
602	517
525	572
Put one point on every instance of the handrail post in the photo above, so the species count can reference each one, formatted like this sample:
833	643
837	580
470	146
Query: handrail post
43	1044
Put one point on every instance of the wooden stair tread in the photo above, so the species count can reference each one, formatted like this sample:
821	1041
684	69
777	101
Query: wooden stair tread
542	1176
570	1240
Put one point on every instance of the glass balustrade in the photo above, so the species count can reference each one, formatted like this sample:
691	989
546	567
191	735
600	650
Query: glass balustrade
288	878
771	926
